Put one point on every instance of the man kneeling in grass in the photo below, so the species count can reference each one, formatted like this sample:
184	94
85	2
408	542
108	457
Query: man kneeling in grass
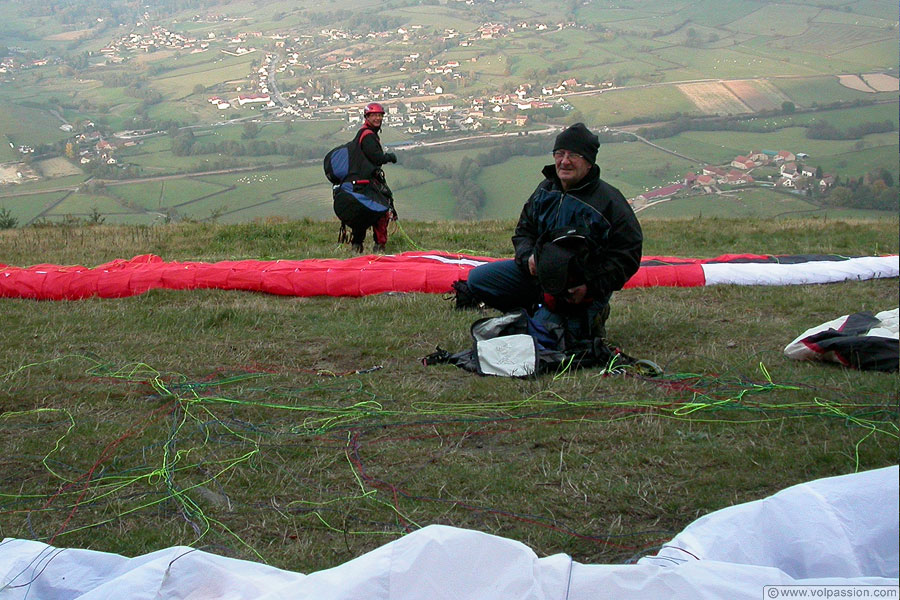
577	241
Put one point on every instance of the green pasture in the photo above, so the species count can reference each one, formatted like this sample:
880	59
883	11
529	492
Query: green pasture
226	201
509	184
703	33
855	163
809	91
727	63
876	8
634	167
178	111
272	181
777	20
706	151
528	60
615	18
219	67
845	118
319	133
108	96
399	177
158	159
157	195
792	139
313	202
429	201
437	18
7	152
716	13
69	181
750	203
27	208
26	125
830	15
488	64
81	204
619	106
260	194
824	39
876	55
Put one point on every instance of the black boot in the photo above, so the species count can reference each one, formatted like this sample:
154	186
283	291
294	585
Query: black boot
464	297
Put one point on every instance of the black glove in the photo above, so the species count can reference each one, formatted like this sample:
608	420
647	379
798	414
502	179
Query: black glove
390	157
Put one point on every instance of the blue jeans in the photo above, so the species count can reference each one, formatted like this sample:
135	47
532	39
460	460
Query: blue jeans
507	287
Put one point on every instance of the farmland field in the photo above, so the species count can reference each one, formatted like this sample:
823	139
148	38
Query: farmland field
854	82
878	55
714	98
56	167
27	208
84	204
753	203
180	82
7	154
817	90
776	20
881	82
26	125
619	106
758	95
833	39
159	195
859	162
313	202
728	63
429	201
792	139
508	185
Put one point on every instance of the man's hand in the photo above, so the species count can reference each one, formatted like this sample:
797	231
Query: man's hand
576	295
390	157
532	265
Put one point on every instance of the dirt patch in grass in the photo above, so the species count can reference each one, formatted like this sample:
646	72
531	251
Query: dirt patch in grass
758	95
882	82
714	98
69	36
854	82
16	173
57	167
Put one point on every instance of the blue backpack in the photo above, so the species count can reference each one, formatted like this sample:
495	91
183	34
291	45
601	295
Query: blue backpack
355	202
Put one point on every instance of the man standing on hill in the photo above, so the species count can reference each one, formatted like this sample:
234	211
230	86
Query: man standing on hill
366	159
577	241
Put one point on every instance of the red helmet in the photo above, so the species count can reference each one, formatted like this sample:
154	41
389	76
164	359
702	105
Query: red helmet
372	107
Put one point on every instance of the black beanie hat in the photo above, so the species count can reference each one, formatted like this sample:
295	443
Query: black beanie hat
578	138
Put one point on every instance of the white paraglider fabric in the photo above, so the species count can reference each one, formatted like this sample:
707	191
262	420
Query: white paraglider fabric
836	531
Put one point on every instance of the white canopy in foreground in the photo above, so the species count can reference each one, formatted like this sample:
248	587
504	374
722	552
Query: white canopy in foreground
853	269
831	532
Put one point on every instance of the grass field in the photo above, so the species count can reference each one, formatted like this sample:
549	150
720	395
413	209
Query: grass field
27	208
792	139
82	205
757	204
620	106
158	195
818	90
239	422
27	125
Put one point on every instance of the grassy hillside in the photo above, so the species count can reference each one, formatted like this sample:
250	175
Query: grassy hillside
252	426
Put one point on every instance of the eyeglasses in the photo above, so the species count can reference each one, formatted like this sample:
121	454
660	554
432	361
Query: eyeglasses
562	154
